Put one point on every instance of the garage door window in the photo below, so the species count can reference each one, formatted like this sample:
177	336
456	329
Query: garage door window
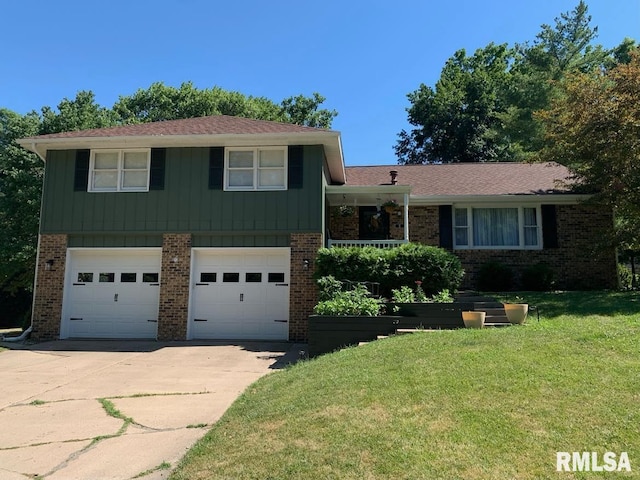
150	277
107	277
230	277
253	278
128	277
85	277
208	277
276	277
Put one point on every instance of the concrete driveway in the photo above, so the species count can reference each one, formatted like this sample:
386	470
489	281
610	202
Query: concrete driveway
118	409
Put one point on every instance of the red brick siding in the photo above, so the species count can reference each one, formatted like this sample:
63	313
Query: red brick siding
303	292
47	309
580	261
175	277
343	228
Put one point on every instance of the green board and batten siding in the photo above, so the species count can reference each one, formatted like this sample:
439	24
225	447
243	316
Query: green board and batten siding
185	205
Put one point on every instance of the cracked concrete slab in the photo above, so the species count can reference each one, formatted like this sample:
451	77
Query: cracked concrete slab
55	422
129	455
176	411
38	460
71	376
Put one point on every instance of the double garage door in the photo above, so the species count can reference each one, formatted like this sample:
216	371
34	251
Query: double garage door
235	294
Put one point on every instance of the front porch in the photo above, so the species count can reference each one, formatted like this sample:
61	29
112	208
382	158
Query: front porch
359	216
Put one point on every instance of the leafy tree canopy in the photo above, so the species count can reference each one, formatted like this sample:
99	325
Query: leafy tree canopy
481	108
593	128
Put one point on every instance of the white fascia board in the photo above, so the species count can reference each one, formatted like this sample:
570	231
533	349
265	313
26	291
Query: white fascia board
329	139
549	198
364	189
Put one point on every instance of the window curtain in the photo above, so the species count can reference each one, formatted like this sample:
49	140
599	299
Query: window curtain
495	227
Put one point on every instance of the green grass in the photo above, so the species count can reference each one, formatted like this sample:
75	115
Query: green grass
465	404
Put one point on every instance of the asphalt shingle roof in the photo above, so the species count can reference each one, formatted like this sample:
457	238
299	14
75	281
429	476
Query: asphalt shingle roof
468	178
213	125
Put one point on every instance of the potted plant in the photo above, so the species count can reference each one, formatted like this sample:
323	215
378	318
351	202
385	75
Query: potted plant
473	319
390	206
516	312
346	210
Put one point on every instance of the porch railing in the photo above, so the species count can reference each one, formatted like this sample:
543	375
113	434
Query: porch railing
366	243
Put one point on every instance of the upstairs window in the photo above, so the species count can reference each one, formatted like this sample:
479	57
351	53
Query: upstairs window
119	170
497	228
256	168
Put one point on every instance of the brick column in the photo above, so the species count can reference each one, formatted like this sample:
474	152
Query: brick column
303	291
174	287
49	287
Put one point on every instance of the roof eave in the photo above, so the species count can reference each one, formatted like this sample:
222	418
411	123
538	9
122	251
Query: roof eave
329	139
557	198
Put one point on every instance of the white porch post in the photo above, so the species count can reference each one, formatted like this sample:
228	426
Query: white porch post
406	216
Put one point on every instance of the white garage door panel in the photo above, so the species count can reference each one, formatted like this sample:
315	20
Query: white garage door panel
112	294
240	294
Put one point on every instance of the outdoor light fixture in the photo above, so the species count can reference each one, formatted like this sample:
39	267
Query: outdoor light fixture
174	260
305	264
48	265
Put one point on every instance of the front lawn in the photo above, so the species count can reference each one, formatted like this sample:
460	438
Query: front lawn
463	404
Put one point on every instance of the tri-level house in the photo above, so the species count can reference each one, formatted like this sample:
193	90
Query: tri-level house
207	228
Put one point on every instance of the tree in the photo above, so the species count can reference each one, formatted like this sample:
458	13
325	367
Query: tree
303	110
162	102
482	106
21	176
458	120
594	129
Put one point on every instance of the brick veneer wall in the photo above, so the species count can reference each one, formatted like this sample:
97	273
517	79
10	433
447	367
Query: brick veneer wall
579	262
173	312
303	291
343	228
49	288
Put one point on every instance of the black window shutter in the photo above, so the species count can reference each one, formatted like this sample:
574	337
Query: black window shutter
216	168
446	226
295	172
81	176
549	226
156	173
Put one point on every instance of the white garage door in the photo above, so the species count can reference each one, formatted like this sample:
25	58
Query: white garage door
240	294
112	293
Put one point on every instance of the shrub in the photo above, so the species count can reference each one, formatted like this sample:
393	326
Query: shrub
495	277
626	277
328	287
350	302
436	268
539	277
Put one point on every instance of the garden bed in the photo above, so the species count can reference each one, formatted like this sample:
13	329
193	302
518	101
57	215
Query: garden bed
328	333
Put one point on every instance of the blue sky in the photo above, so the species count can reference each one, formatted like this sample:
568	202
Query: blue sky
364	57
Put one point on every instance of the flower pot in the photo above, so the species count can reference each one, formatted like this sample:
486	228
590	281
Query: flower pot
516	312
473	319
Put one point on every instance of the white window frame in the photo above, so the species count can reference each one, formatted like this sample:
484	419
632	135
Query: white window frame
120	170
256	169
521	228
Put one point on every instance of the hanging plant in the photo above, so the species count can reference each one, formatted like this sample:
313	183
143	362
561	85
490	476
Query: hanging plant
346	210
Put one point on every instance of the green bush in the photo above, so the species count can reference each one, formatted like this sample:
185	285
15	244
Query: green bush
626	277
539	277
436	268
350	302
495	277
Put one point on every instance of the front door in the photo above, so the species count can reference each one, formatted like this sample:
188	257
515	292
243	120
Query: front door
374	224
